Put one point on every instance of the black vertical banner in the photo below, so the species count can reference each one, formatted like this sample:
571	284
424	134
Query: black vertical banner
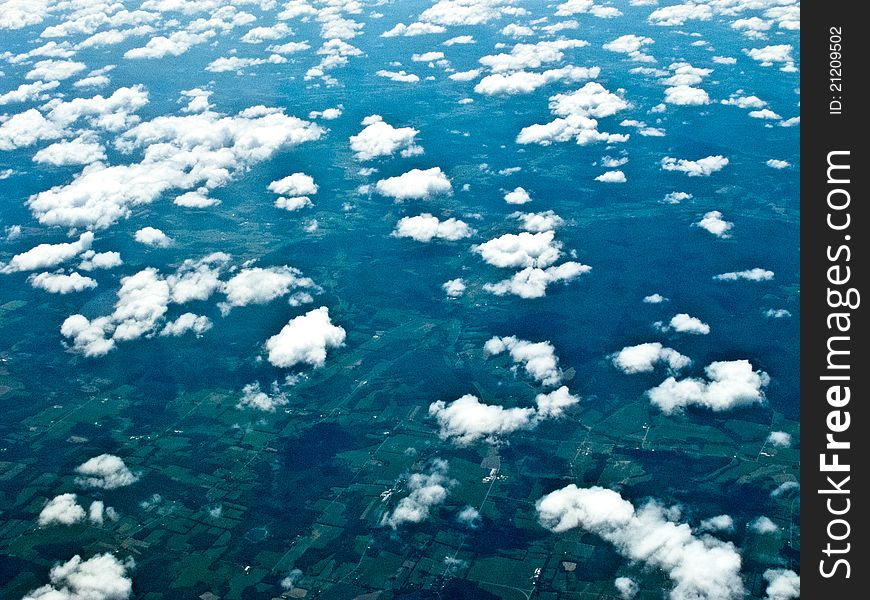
834	338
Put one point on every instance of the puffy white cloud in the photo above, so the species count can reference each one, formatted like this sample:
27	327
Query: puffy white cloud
676	197
416	183
577	112
703	167
293	203
254	397
61	510
101	577
97	512
261	285
460	39
227	64
537	358
777	313
782	584
305	339
699	567
744	101
414	29
454	288
626	587
612	177
774	163
632	45
426	227
521	250
195	199
684	323
297	184
469	75
552	405
184	152
532	282
731	384
678	14
80	151
258	35
525	82
88	337
26	129
468	12
763	525
54	70
516	30
764	113
767	56
46	256
427	56
752	26
327	114
518	195
467	420
17	14
755	274
715	224
780	439
469	516
176	44
151	236
290	48
28	92
197	324
59	283
538	222
530	56
724	60
100	260
196	279
654	299
717	523
686	95
105	471
398	76
114	113
379	138
643	358
427	491
142	302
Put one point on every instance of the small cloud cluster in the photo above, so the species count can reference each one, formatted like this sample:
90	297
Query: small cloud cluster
427	491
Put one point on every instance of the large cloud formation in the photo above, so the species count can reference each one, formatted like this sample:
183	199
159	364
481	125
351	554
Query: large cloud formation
731	384
699	567
179	152
305	339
